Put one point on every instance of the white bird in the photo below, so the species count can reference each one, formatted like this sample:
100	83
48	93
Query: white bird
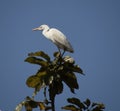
57	37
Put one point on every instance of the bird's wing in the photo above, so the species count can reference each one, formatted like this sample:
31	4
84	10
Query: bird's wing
58	35
60	39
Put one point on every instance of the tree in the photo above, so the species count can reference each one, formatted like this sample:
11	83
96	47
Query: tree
50	77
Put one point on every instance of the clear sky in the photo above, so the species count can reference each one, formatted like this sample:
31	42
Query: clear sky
92	27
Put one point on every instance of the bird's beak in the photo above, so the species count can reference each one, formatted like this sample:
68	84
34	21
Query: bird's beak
38	28
35	29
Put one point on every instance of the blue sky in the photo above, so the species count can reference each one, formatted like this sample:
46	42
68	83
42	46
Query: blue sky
92	27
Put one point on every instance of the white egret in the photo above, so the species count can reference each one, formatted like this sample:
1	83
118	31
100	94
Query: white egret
57	37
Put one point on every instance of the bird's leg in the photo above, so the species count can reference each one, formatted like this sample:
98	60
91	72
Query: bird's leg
62	54
59	51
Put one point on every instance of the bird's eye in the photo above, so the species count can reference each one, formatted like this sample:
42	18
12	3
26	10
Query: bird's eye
40	28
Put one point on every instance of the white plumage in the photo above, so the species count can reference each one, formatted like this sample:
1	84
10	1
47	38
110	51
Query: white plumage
57	37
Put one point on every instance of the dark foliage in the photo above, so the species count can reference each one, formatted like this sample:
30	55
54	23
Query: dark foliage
77	105
50	76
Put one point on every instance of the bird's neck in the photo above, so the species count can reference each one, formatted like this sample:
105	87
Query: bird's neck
45	32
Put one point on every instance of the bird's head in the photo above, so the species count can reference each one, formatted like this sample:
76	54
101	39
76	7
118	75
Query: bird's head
42	27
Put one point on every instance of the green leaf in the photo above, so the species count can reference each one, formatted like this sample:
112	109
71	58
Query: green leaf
41	73
96	109
87	102
58	86
48	108
98	106
45	76
27	106
33	81
41	54
41	106
73	68
69	60
32	103
94	104
19	106
35	60
76	102
76	68
70	107
70	79
72	90
56	54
